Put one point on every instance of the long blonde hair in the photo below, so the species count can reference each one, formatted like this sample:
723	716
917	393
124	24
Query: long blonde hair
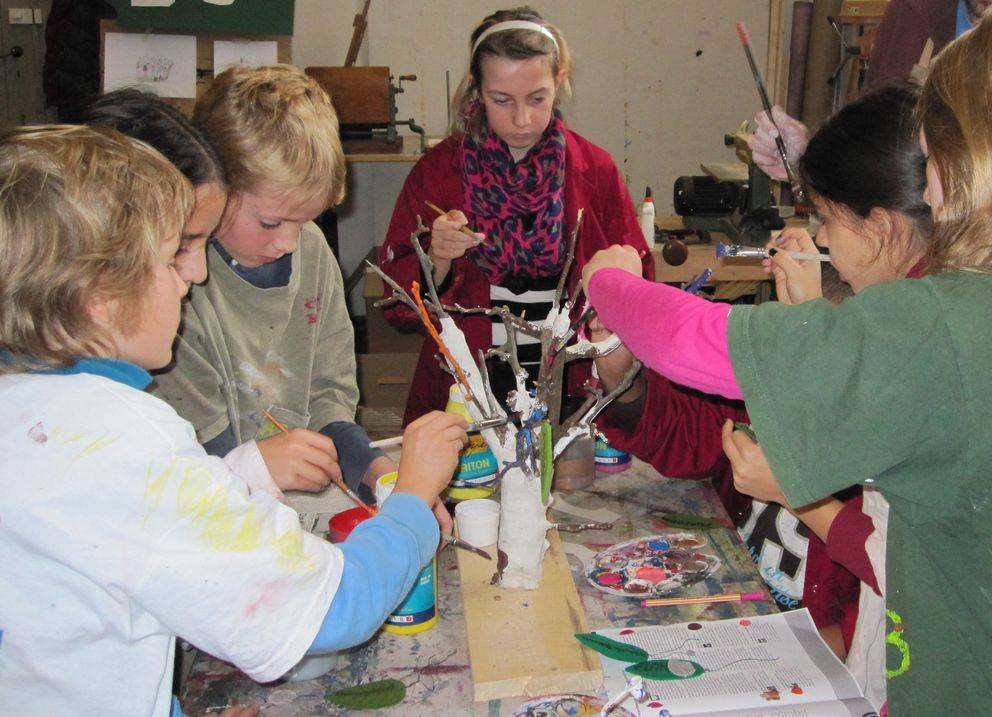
468	116
954	114
83	215
274	126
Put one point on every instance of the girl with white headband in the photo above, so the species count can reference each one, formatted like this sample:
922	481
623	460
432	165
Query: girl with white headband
513	172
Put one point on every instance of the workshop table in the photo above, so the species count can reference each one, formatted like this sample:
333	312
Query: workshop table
435	664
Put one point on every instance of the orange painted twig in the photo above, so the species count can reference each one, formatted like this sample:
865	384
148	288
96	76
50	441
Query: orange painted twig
426	318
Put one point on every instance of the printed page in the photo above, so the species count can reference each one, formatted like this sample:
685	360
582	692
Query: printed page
771	664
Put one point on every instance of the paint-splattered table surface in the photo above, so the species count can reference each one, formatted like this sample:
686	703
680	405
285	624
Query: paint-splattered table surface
435	664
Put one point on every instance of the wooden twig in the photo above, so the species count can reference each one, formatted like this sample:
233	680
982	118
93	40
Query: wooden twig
427	266
597	401
569	258
426	318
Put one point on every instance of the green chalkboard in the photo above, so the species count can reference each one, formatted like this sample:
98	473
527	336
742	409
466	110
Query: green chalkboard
242	17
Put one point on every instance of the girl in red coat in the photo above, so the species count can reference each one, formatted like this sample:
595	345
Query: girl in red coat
515	174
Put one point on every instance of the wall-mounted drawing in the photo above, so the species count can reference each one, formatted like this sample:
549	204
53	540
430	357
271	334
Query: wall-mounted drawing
163	64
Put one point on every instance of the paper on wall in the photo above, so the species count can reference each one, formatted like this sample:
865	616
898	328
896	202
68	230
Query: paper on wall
254	53
151	3
163	64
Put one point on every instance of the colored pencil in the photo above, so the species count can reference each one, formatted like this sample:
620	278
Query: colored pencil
339	483
730	597
464	230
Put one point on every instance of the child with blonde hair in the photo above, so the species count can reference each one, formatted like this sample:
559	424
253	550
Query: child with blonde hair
891	388
514	172
269	334
118	532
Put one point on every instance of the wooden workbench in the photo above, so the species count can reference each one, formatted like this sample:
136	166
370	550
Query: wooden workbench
435	664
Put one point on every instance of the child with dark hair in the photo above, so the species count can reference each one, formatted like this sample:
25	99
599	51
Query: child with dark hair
890	389
865	172
151	119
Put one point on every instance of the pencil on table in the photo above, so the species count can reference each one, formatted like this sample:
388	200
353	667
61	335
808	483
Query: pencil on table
340	484
464	230
729	597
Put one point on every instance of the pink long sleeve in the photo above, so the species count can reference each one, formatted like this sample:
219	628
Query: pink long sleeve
679	335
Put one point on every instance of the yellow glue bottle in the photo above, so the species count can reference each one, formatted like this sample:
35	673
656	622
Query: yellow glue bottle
477	467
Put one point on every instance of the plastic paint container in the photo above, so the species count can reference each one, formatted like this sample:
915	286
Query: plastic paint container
341	524
609	459
478	522
384	485
477	467
418	611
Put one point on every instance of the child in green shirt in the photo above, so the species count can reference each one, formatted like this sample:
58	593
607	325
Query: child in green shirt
892	388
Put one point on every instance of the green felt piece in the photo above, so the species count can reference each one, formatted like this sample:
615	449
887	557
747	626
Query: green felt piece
666	669
370	696
620	651
746	429
686	521
547	461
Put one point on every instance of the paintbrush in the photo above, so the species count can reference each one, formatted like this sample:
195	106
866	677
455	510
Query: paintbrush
337	481
731	597
797	189
464	230
756	252
459	543
487	423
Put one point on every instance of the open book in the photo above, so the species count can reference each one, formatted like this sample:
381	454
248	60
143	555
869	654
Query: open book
773	665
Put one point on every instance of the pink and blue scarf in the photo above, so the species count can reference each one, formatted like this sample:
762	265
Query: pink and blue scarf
519	206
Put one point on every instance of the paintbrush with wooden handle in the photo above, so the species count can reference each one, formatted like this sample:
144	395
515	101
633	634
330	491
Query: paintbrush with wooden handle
338	482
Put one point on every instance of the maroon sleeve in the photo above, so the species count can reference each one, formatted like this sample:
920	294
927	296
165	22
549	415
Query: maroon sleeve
620	221
431	179
898	43
846	541
679	431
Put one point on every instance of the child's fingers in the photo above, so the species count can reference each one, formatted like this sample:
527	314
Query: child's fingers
729	447
318	441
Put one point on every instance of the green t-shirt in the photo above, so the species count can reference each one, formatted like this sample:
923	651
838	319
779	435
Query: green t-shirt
287	349
894	388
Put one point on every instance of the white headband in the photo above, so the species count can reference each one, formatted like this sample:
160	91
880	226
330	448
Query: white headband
515	25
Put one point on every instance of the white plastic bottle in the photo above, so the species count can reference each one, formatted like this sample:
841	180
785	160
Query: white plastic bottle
647	218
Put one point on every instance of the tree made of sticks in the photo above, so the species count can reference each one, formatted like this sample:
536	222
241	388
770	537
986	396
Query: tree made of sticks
528	444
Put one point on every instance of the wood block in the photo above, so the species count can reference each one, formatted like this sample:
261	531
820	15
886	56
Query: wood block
360	94
521	642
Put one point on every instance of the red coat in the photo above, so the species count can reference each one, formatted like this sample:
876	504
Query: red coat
679	435
592	182
902	34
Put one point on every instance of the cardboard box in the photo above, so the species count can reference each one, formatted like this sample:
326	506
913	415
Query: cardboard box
381	336
384	378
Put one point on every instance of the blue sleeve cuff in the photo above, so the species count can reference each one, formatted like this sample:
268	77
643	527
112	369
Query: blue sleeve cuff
354	452
176	710
382	558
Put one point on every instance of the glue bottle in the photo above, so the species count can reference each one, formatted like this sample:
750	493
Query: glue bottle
647	218
608	458
477	467
418	611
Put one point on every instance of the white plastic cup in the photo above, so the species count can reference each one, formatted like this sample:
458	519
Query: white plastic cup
478	521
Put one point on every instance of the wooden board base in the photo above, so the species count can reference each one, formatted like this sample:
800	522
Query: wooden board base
521	641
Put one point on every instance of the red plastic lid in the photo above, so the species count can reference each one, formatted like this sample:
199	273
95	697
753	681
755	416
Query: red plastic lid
341	524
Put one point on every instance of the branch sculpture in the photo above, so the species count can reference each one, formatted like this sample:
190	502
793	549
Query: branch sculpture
524	466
